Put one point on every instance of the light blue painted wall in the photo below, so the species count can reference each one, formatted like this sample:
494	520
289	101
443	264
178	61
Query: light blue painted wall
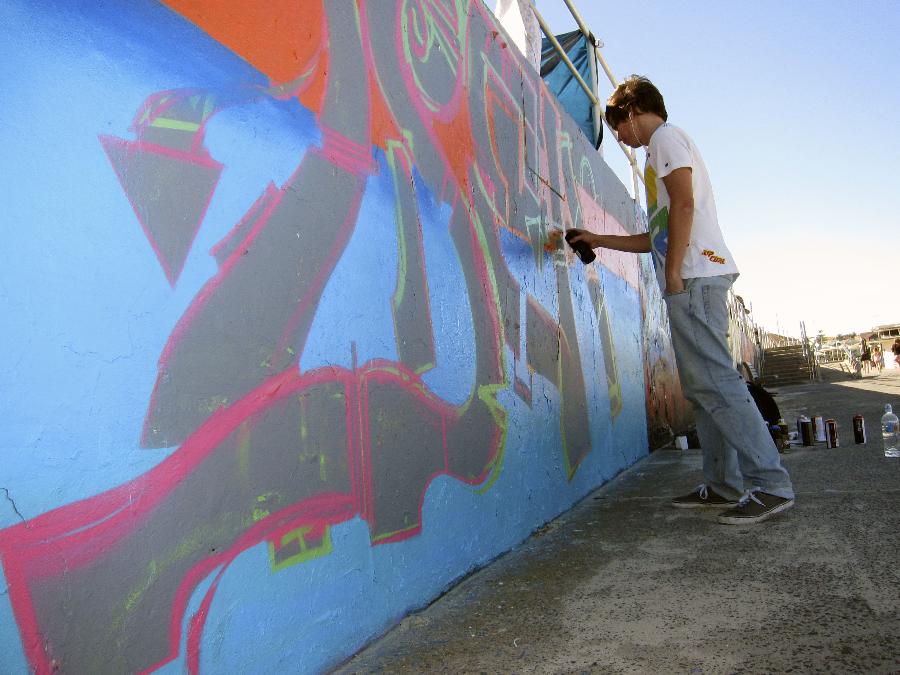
89	312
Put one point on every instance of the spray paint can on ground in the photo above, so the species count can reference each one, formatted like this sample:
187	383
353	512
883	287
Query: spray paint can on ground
831	434
785	438
806	431
775	432
859	430
819	428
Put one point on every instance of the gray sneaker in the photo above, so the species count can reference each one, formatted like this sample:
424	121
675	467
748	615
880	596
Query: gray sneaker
703	497
755	507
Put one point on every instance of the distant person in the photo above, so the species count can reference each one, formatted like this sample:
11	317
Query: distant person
695	270
765	403
896	349
877	358
865	356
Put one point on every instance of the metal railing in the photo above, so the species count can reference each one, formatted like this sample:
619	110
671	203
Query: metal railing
809	353
636	174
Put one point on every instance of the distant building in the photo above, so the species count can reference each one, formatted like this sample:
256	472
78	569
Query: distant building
884	336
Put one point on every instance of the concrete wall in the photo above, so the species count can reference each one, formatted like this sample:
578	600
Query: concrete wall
668	412
743	334
286	349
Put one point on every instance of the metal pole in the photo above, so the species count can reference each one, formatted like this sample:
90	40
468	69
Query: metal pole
598	113
580	22
609	73
563	55
590	36
635	172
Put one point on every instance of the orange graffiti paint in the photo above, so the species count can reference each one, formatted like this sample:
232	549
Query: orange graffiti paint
284	39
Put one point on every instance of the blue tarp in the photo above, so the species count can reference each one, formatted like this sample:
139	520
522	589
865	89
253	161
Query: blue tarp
563	84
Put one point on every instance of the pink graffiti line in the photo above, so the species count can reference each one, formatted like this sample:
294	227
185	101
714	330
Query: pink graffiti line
76	534
320	511
256	208
196	158
331	257
156	105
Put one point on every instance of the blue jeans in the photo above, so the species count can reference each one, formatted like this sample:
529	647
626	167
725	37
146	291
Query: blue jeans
738	451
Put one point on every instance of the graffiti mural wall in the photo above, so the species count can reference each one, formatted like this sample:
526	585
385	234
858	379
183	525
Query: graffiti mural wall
743	334
288	348
668	411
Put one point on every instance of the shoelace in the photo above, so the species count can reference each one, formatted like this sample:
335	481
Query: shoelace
749	495
702	491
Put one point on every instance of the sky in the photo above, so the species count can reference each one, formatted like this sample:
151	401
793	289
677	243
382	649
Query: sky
795	107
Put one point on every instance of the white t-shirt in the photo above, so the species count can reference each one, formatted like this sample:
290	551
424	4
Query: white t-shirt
707	256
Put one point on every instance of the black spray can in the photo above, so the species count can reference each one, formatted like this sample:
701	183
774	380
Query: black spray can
831	434
775	432
859	430
582	248
806	432
785	437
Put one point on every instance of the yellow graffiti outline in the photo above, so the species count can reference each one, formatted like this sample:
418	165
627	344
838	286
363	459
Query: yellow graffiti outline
306	553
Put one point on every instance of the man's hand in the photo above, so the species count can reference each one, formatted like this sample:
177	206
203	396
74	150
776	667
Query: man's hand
593	240
674	285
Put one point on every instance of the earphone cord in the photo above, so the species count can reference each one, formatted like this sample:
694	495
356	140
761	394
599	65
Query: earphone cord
633	129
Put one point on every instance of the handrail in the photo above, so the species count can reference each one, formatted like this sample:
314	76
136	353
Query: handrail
593	40
564	56
809	353
635	172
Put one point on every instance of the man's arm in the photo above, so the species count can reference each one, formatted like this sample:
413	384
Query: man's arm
632	243
681	219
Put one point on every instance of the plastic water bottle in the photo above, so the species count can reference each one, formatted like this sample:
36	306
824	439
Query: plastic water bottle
890	432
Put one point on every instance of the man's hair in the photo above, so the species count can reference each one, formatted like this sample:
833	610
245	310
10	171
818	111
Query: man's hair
637	94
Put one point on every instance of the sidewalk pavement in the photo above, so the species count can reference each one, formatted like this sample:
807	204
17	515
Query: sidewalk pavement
623	583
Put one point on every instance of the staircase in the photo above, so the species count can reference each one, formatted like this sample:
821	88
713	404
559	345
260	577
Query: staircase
785	365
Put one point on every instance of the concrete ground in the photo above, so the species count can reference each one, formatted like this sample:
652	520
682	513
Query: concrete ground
623	583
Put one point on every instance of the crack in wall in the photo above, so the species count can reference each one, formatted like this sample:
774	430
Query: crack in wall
98	356
11	501
547	183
